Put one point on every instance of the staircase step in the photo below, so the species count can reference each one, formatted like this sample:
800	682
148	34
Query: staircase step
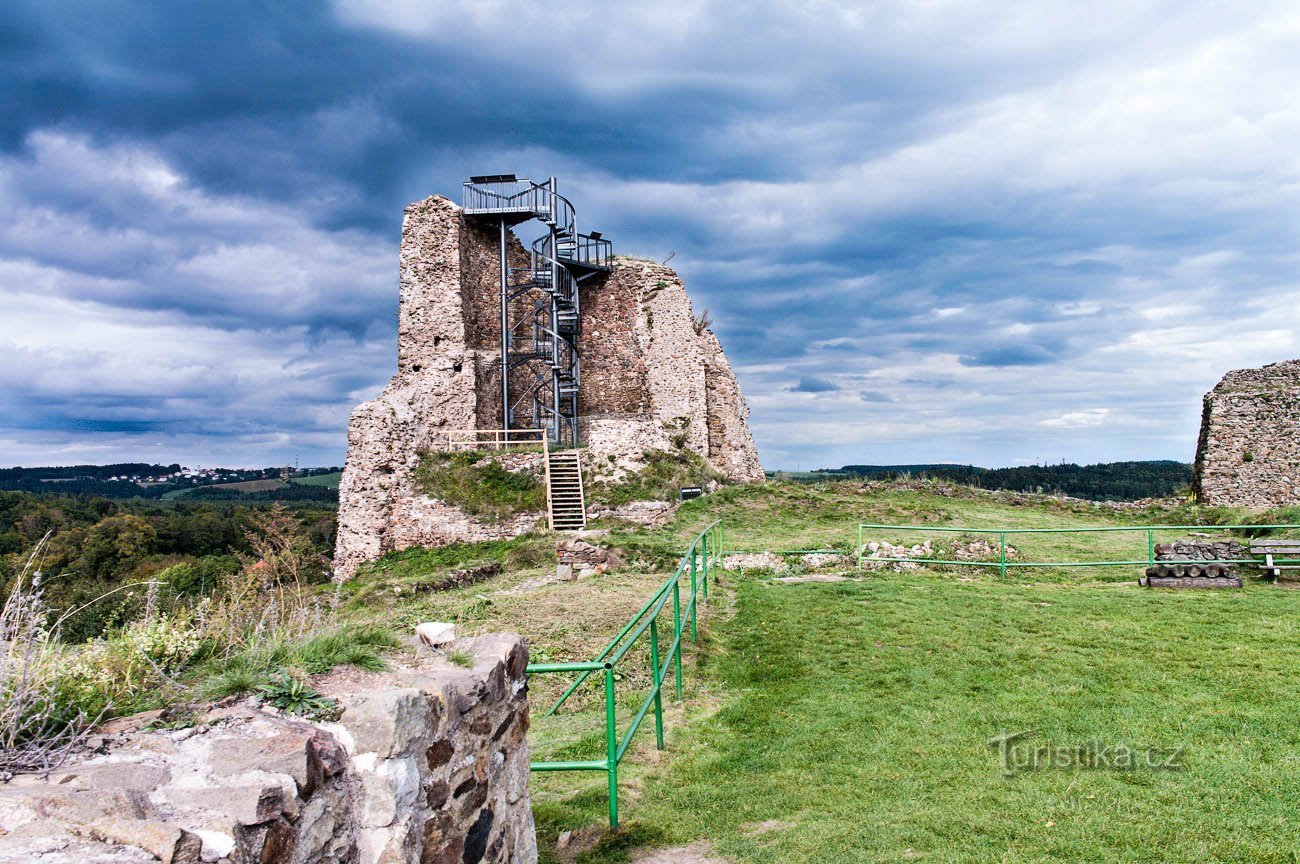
567	503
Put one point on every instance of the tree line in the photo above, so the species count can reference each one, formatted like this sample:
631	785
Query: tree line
1114	481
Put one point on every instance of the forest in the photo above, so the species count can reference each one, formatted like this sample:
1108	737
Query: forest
97	545
1109	481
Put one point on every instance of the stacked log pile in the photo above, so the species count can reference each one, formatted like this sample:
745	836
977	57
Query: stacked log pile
1196	564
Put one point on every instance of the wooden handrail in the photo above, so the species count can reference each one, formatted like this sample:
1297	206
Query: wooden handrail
495	439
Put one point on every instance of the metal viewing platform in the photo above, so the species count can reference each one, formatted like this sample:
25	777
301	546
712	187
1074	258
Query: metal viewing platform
540	307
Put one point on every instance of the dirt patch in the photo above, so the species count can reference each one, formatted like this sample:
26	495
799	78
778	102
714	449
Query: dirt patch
767	826
698	852
571	844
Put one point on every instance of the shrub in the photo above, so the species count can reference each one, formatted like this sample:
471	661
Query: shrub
39	725
135	667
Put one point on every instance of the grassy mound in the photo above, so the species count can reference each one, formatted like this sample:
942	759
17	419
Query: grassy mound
661	479
478	484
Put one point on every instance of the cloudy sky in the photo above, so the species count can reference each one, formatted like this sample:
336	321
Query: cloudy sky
927	231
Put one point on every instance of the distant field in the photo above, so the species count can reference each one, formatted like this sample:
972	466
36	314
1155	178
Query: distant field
329	481
241	486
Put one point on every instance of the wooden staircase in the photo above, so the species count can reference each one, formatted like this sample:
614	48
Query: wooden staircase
564	498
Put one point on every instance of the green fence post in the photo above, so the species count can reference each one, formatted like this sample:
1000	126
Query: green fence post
708	547
658	684
695	554
1151	547
1002	554
611	747
677	636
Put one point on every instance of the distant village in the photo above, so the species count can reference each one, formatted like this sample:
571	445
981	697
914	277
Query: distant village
136	479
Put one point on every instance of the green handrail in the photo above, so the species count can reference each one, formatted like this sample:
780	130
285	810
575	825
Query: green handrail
700	559
1003	564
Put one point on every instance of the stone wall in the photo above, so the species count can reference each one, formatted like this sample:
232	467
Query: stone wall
651	380
1249	450
426	764
654	380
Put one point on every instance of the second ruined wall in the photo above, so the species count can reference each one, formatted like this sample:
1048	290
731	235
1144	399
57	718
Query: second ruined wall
1249	450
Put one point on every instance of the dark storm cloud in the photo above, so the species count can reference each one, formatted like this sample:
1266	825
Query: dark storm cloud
1026	237
812	384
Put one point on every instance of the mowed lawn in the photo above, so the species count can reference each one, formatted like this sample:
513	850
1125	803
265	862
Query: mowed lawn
848	722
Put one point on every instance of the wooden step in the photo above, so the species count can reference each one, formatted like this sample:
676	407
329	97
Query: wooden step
565	494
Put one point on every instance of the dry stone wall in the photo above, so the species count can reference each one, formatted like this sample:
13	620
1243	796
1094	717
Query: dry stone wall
1249	450
426	764
652	379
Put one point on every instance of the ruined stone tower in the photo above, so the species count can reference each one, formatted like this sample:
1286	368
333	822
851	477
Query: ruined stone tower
653	378
1249	450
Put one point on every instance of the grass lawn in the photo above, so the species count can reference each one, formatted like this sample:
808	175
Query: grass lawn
855	717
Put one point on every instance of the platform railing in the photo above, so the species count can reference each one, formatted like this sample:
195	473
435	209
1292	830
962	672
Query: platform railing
492	439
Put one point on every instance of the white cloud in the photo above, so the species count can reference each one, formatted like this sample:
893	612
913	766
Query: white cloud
215	335
1085	419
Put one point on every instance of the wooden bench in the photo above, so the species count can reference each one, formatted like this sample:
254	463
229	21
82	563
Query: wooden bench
1270	549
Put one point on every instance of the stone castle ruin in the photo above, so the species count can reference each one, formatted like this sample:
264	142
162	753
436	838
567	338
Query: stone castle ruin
600	351
1249	450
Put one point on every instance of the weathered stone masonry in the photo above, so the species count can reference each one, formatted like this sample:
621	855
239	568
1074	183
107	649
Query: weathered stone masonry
1249	450
426	764
651	379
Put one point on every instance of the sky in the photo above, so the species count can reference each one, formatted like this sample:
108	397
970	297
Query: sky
926	231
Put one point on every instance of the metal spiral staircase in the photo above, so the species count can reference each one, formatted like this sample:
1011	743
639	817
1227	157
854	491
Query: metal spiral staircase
540	306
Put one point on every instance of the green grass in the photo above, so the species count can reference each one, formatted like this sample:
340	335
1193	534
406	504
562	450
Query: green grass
488	491
329	481
852	718
856	714
247	670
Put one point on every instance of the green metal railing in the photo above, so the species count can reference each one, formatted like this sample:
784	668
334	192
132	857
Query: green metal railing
1003	533
697	565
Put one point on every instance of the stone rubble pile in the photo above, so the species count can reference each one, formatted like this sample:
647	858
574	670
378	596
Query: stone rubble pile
649	513
980	549
578	559
425	764
822	560
1202	550
754	561
885	549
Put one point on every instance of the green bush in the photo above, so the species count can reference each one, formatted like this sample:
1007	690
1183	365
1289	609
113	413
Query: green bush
478	484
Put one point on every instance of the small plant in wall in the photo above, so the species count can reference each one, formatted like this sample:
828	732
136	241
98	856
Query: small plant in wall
462	658
1247	456
295	696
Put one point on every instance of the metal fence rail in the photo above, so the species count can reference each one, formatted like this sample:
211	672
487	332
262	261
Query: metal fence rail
696	565
1003	533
